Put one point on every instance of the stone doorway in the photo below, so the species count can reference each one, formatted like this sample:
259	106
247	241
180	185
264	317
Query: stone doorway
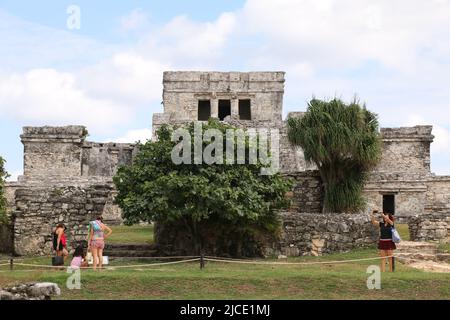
389	203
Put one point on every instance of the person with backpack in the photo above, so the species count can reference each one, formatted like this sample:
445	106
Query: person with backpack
386	245
96	240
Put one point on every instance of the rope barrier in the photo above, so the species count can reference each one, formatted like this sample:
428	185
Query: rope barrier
107	268
153	264
152	258
296	263
195	258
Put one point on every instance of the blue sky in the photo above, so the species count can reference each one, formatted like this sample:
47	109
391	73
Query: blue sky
107	75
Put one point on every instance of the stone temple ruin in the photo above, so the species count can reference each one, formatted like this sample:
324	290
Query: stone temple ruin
67	178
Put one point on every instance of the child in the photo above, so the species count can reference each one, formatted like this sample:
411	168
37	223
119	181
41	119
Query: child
79	258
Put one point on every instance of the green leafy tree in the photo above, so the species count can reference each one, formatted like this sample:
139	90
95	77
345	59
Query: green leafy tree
3	206
343	141
205	200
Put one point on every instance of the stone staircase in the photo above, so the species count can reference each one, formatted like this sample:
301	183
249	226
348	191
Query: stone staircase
130	250
423	255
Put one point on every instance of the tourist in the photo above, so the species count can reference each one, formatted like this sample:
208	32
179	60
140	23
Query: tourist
96	240
79	258
60	241
385	244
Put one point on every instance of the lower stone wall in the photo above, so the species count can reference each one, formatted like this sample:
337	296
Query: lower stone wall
319	233
38	210
307	195
6	239
430	227
302	234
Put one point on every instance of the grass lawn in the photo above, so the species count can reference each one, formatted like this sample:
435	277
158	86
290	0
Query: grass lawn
403	230
445	247
132	234
241	281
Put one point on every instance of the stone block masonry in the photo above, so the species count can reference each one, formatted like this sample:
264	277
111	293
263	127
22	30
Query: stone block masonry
38	210
430	227
319	233
307	195
60	153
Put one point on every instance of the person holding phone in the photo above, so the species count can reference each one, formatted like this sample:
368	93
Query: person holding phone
385	243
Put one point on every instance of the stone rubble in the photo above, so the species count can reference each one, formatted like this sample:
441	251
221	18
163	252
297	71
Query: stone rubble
31	291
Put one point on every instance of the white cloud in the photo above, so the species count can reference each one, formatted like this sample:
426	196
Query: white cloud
46	96
133	136
127	77
25	45
346	33
135	20
190	44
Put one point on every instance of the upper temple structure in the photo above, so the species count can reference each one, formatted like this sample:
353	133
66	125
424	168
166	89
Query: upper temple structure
67	178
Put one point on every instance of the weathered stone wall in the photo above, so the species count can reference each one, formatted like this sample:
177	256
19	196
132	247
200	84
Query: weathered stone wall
404	171
182	90
53	151
315	234
430	227
6	239
57	153
10	193
410	195
302	234
406	150
38	210
103	159
307	195
438	194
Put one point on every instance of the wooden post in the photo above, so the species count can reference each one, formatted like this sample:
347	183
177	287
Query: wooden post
202	261
11	264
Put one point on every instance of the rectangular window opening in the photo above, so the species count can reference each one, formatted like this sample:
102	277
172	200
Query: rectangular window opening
244	109
204	110
224	109
389	203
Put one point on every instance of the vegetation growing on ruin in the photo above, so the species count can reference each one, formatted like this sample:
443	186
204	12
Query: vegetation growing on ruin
3	176
343	141
208	201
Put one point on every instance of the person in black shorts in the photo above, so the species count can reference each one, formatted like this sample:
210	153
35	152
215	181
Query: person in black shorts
385	244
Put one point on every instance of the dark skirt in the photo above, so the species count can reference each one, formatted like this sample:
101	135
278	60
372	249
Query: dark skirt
386	245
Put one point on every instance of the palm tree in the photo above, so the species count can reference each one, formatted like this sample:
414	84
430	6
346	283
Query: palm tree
343	141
